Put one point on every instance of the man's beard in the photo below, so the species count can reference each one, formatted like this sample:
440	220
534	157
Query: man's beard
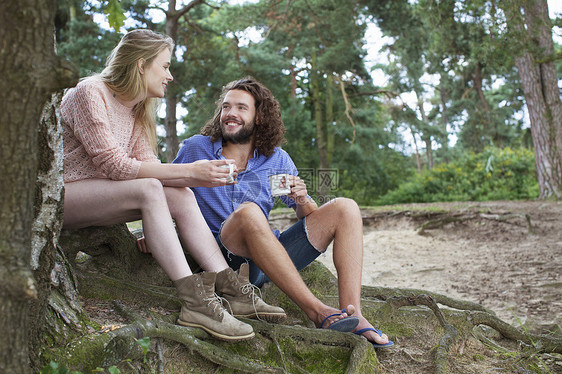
243	136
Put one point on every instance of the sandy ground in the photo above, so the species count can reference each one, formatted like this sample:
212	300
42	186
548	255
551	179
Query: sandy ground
493	259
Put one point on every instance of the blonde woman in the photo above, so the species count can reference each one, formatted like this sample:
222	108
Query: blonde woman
112	175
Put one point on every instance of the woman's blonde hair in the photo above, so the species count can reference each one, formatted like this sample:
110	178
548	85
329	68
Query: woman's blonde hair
121	73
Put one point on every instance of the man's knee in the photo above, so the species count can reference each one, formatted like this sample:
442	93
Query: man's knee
249	215
346	206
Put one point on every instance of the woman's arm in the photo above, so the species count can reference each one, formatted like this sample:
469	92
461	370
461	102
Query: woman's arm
202	173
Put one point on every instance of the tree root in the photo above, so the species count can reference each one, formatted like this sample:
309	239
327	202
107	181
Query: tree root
383	293
362	351
441	356
475	314
462	217
94	285
192	338
438	219
541	343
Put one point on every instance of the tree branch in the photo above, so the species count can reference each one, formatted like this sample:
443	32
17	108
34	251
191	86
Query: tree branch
348	108
192	5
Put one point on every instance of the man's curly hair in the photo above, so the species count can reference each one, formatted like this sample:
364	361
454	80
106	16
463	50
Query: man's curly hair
269	127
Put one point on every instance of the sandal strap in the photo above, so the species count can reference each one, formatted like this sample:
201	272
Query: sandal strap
344	310
359	332
325	319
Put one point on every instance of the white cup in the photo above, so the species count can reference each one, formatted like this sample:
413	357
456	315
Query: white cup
280	184
230	178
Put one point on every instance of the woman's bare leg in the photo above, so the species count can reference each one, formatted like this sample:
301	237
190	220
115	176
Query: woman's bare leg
102	202
193	230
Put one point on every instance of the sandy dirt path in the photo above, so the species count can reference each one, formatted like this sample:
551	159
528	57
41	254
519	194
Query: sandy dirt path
496	263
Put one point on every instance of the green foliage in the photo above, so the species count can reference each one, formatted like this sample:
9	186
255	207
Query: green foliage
86	45
494	174
115	14
54	368
144	343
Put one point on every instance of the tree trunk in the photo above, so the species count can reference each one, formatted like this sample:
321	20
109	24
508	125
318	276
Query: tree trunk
540	87
426	134
172	19
329	123
443	94
47	218
477	80
321	131
316	98
428	152
172	144
31	72
418	158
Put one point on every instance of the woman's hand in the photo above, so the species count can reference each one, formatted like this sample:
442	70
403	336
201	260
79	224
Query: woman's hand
210	173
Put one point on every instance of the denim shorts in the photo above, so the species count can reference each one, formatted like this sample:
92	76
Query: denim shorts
296	243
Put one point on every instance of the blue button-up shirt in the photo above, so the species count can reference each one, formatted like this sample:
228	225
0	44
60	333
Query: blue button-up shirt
217	203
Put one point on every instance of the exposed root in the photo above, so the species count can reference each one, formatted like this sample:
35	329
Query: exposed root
384	293
462	217
362	351
475	314
192	338
441	357
437	219
541	343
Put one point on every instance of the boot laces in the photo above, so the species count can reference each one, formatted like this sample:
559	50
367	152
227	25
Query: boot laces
216	301
251	289
222	300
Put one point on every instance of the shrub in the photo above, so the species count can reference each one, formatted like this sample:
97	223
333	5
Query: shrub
494	174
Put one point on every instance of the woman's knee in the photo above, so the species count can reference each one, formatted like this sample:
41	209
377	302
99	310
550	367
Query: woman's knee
180	200
150	190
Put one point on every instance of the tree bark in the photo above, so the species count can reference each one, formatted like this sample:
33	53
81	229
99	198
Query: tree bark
321	125
329	123
172	144
426	135
315	77
31	72
47	221
540	87
172	19
444	96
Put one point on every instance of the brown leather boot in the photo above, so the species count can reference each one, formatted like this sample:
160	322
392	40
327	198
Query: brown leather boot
202	308
243	297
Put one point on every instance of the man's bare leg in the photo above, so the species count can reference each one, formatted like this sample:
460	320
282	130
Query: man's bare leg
247	233
340	220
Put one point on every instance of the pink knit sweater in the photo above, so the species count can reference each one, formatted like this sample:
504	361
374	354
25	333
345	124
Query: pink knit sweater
99	135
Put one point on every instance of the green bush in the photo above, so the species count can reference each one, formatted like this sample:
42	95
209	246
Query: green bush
494	174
